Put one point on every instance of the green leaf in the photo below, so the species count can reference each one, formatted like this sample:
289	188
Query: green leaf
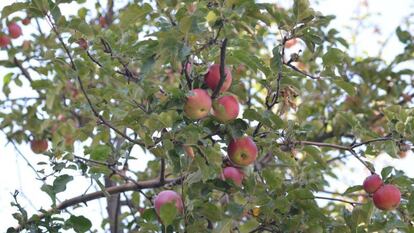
346	86
10	9
59	184
386	171
168	212
135	14
79	223
224	226
353	189
100	152
403	36
333	57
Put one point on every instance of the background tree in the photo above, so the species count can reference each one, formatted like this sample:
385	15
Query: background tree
141	74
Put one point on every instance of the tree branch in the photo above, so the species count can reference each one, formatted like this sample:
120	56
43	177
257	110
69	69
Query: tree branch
153	183
222	69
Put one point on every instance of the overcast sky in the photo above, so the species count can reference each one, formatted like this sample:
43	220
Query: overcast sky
16	175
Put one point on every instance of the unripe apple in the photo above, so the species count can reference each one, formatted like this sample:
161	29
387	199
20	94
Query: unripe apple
234	174
39	146
212	78
26	21
242	151
168	196
14	30
189	151
226	108
198	104
387	197
4	41
372	183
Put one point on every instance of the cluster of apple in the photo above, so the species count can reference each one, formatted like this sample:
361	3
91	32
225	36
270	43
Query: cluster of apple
385	196
241	151
15	31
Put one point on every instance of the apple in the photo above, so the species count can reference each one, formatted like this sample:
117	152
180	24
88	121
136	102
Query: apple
226	108
387	197
242	151
39	146
189	151
198	104
26	21
290	43
168	196
372	183
234	174
402	154
102	22
61	117
26	45
82	43
4	41
212	78
14	30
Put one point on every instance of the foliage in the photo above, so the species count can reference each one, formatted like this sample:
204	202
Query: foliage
111	79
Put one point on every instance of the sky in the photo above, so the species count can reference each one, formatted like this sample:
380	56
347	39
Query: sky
16	175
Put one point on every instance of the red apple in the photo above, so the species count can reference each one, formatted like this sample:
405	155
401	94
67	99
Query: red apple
39	146
372	183
290	43
4	41
168	196
102	22
82	43
403	154
234	174
14	30
198	104
26	21
226	108
387	197
212	78
242	151
61	117
189	151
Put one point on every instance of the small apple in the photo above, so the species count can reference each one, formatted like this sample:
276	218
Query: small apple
212	78
198	104
39	146
234	174
226	108
14	30
82	43
387	197
290	43
402	154
26	45
242	151
61	117
189	151
372	183
26	21
102	22
4	41
168	196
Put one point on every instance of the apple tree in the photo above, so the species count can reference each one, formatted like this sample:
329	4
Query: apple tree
244	110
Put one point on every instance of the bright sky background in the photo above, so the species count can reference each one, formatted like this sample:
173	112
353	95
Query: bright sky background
16	175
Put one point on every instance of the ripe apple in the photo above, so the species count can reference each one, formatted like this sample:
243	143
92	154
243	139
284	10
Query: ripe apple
39	146
82	43
198	104
212	78
14	30
102	22
372	183
234	174
189	151
387	197
290	43
168	196
4	41
242	151
26	21
226	108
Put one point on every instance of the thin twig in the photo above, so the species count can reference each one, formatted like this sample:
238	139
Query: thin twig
222	69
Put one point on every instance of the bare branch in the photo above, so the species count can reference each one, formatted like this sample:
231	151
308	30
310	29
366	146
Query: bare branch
222	69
